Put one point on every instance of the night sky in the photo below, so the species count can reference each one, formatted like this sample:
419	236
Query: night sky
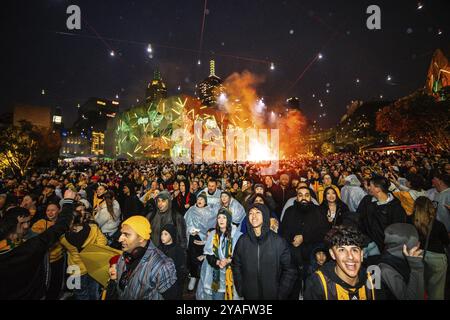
39	52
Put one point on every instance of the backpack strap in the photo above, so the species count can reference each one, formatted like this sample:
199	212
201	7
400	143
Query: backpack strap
372	289
324	283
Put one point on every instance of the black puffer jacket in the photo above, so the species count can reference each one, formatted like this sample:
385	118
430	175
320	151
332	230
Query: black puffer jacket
262	268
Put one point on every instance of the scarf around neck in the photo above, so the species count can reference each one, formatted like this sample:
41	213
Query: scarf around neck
222	248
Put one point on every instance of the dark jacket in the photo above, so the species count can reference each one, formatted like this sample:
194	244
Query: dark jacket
313	265
160	219
401	277
314	289
150	208
373	218
24	269
178	255
262	268
306	221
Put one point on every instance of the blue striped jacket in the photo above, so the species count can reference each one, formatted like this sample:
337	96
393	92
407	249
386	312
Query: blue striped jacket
154	274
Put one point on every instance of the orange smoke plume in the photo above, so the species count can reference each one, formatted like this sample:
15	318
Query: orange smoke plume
241	101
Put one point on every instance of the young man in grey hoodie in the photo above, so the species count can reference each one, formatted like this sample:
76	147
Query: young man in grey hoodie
401	264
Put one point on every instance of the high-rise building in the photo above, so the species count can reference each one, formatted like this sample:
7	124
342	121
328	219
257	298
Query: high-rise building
209	89
87	136
156	89
94	114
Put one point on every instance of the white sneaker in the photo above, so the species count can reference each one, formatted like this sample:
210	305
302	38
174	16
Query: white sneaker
192	283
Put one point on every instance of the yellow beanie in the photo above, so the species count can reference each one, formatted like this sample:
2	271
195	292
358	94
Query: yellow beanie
140	225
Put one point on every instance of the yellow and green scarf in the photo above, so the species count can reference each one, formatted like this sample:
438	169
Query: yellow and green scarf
215	286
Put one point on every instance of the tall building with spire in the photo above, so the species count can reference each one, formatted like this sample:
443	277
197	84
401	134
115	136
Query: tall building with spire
209	89
156	89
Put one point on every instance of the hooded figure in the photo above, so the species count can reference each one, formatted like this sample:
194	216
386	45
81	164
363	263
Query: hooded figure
402	275
201	219
177	254
352	193
262	268
198	221
168	216
274	223
237	210
315	264
214	198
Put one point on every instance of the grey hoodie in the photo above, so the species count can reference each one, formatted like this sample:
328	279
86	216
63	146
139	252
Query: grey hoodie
403	276
170	216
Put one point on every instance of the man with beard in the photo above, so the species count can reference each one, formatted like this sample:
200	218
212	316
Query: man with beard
304	228
165	214
212	192
143	272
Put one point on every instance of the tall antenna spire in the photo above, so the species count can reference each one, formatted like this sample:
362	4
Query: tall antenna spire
212	67
157	75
